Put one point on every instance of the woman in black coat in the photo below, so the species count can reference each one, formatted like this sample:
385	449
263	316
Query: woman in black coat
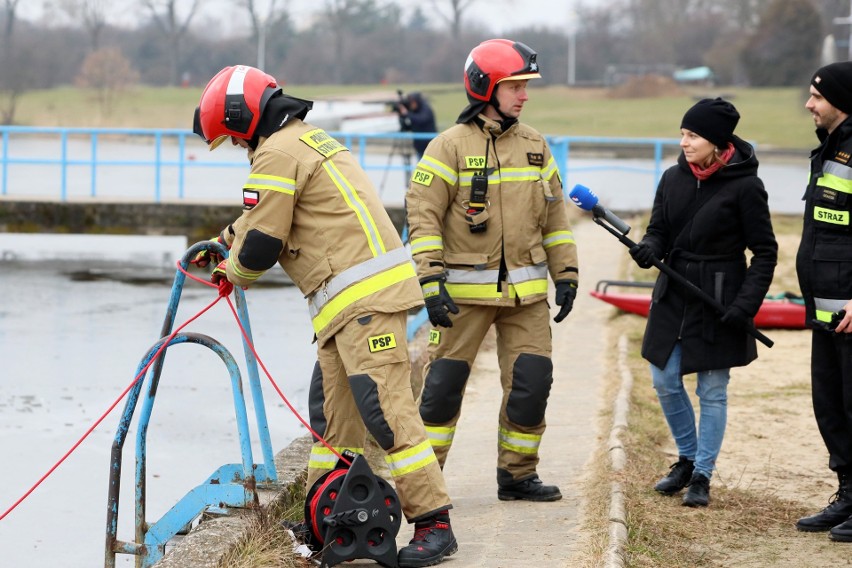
708	210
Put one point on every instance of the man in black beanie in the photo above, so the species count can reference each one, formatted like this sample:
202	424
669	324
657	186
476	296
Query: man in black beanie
824	268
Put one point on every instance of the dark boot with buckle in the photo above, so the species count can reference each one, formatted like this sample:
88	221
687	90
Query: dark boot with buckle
677	478
529	489
698	494
433	540
838	511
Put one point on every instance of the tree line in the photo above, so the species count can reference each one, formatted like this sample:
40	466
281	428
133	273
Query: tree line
173	42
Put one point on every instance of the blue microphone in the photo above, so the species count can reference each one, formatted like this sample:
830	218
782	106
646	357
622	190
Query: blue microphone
585	199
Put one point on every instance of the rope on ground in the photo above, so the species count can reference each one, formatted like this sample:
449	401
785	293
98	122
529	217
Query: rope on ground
618	457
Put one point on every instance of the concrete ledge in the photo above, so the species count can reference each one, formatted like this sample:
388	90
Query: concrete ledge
205	545
617	511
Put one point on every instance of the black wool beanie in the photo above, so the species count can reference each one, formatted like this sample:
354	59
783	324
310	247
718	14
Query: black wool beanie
712	119
834	82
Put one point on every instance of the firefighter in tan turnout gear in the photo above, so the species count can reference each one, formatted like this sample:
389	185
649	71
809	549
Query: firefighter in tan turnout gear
309	207
487	223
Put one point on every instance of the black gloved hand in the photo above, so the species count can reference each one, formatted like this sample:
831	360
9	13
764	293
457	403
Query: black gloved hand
566	291
643	255
438	301
735	317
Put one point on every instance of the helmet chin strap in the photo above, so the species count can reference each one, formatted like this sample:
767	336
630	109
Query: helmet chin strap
506	121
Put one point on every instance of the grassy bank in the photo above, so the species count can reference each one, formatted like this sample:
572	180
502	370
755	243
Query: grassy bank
770	117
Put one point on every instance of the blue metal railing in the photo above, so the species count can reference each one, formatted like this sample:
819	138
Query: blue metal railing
83	151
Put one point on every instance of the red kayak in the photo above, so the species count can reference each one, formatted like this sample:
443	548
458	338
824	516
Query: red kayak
784	312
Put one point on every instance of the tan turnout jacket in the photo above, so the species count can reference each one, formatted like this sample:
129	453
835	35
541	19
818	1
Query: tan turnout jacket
310	207
526	219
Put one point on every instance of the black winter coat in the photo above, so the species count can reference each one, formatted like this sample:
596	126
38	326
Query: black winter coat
702	230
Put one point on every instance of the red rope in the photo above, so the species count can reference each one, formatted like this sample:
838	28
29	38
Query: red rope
224	292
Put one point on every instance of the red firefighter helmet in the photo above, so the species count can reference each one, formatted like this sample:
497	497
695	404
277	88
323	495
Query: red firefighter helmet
232	104
497	60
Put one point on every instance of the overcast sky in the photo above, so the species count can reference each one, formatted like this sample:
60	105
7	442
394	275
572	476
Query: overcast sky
498	15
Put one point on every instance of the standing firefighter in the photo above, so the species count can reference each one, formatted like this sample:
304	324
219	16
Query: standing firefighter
488	222
824	268
309	207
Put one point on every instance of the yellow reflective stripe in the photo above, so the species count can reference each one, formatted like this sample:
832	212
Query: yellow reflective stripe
520	174
837	183
251	275
440	169
350	195
323	458
272	183
431	289
361	290
827	306
550	169
531	288
411	459
423	244
558	238
519	442
441	435
478	291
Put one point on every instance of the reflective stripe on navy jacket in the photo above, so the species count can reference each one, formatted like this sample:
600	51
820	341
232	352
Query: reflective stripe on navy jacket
824	260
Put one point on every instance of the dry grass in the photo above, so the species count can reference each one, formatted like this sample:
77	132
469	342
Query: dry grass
267	544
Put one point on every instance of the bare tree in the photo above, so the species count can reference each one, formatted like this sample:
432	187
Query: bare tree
108	73
165	15
91	14
11	79
456	9
260	24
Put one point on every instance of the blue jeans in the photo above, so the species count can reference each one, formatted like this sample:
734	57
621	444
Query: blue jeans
702	445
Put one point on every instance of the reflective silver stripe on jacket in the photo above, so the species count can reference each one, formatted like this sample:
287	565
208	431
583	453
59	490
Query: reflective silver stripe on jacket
355	274
523	274
826	306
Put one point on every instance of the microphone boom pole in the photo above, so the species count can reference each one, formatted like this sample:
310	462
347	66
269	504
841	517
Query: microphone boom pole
680	279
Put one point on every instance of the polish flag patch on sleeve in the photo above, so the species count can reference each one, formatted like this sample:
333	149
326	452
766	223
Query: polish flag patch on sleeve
250	198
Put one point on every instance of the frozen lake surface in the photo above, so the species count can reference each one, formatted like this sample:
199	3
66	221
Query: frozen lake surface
69	348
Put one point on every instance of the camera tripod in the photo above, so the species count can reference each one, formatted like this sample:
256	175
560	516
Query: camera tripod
404	149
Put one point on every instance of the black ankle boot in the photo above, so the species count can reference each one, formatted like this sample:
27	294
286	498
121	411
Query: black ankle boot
529	489
838	511
842	532
433	540
677	478
698	494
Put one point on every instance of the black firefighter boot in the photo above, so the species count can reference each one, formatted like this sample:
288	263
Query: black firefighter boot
529	489
433	540
838	511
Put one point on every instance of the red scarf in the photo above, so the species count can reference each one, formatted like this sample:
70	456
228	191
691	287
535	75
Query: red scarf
704	173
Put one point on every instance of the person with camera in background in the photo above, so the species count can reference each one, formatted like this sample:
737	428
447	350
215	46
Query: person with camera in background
415	115
824	268
488	222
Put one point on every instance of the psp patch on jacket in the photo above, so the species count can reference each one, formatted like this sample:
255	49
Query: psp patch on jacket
535	159
382	342
422	177
250	198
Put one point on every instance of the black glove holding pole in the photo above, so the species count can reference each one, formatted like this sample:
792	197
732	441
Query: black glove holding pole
643	254
438	301
566	291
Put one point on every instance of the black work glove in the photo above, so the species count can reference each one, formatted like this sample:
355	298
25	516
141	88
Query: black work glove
438	301
566	291
735	317
643	255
